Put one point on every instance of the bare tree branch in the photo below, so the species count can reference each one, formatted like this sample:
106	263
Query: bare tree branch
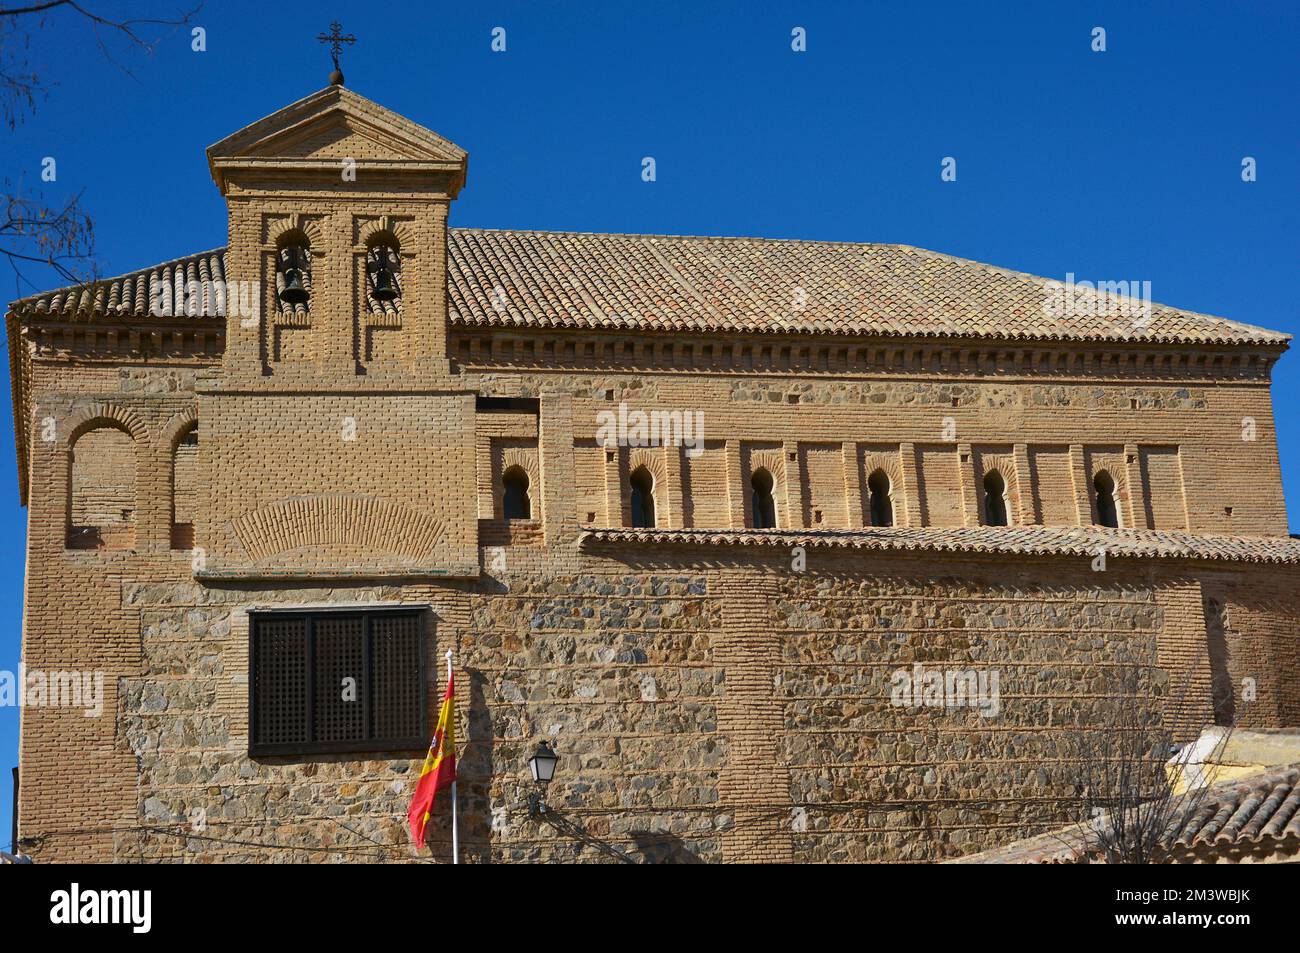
33	232
1137	788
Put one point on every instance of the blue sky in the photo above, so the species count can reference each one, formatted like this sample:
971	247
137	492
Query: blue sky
1117	165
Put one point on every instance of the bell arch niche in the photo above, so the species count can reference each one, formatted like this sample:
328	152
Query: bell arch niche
294	258
384	272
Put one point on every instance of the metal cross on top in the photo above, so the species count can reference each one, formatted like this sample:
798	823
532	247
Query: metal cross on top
336	39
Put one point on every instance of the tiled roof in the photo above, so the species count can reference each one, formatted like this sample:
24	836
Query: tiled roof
647	282
1256	816
1246	809
130	295
1022	540
671	283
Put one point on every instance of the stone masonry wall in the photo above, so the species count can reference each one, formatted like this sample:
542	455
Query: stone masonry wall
730	714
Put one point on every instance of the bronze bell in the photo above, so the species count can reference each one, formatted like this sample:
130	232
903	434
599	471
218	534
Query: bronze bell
385	286
293	292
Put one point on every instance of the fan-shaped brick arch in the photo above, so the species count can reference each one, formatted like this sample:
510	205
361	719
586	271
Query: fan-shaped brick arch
387	228
99	415
308	226
652	459
176	428
337	524
1002	461
526	459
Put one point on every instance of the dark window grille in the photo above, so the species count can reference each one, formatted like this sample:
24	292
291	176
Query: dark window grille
337	680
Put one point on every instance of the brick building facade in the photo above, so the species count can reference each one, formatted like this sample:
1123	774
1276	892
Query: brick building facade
270	485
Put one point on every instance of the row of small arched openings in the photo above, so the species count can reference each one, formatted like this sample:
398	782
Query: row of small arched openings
996	502
517	504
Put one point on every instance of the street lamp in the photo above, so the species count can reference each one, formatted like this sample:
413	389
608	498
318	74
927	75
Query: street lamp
542	765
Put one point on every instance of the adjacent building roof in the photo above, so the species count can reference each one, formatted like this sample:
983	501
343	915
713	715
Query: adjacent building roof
131	295
1084	541
1250	818
524	279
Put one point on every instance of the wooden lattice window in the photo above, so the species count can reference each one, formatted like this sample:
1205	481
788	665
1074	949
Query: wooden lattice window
336	680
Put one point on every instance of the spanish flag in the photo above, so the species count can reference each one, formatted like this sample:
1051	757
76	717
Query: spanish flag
439	771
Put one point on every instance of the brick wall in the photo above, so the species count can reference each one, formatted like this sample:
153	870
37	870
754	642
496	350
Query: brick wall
710	703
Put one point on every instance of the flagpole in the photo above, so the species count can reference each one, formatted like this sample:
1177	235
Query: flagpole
455	826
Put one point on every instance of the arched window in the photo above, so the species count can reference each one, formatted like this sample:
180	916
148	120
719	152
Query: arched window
995	499
101	504
293	272
762	506
515	504
643	498
882	507
185	466
1107	511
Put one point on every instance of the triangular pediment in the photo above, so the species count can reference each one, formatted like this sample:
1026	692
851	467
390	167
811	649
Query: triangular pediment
330	125
336	135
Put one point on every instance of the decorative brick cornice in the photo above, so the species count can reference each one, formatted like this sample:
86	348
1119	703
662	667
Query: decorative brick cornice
541	349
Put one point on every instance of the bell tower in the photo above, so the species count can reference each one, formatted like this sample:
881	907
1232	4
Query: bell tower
338	219
338	441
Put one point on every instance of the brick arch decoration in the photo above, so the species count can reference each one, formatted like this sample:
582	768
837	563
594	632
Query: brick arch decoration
1123	498
308	228
306	225
650	459
94	417
1010	491
323	520
165	448
386	228
396	234
99	415
1004	462
891	466
773	460
1113	462
176	428
525	458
